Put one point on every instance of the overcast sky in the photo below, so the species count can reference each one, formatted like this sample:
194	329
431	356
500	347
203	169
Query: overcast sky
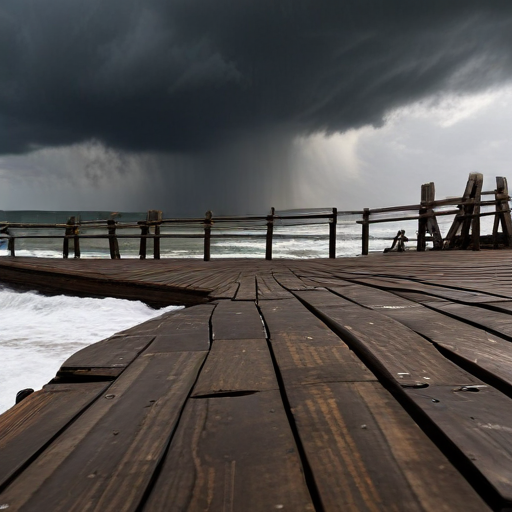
238	105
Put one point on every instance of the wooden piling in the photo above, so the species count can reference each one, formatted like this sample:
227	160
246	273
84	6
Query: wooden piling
207	234
366	232
332	233
112	240
270	232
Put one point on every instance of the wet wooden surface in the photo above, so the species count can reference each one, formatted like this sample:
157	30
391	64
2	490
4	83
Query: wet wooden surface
360	384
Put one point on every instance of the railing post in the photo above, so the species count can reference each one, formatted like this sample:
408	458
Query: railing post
112	240
76	240
67	234
332	233
270	233
207	234
366	231
144	231
155	216
10	246
421	244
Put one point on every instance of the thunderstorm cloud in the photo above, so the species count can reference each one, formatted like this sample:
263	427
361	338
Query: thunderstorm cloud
185	76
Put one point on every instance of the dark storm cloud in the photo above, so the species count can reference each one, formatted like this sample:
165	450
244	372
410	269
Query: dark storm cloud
185	75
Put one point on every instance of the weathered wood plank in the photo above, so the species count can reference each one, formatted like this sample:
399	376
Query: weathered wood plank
287	316
289	280
493	321
232	320
247	288
106	460
367	454
477	424
105	358
269	288
232	453
27	428
386	350
227	291
463	296
306	350
486	354
187	321
236	366
393	350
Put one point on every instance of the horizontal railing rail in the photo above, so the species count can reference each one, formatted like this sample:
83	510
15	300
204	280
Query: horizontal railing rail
207	228
156	228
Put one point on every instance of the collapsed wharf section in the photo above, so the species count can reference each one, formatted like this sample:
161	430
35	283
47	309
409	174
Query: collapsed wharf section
361	384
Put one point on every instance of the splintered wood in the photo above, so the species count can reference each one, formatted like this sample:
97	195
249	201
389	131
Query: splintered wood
358	384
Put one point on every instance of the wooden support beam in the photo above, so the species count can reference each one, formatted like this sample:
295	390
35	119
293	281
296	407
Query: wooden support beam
270	232
467	223
332	233
112	240
464	218
502	212
207	234
366	231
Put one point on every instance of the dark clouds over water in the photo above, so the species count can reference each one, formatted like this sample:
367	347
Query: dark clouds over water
187	75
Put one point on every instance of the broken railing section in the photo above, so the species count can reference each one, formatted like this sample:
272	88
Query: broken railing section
464	232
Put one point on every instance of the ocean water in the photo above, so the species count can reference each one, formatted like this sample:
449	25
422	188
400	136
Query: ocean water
38	333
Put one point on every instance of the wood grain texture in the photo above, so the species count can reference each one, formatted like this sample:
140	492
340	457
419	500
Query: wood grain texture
436	320
230	454
232	320
367	454
105	461
114	353
236	366
269	289
391	349
486	354
27	428
306	350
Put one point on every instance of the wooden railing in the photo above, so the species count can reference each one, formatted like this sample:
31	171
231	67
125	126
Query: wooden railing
152	227
466	214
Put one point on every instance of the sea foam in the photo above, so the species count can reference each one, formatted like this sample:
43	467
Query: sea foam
38	333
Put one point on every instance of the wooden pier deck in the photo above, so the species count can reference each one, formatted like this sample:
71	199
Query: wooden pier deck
357	384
